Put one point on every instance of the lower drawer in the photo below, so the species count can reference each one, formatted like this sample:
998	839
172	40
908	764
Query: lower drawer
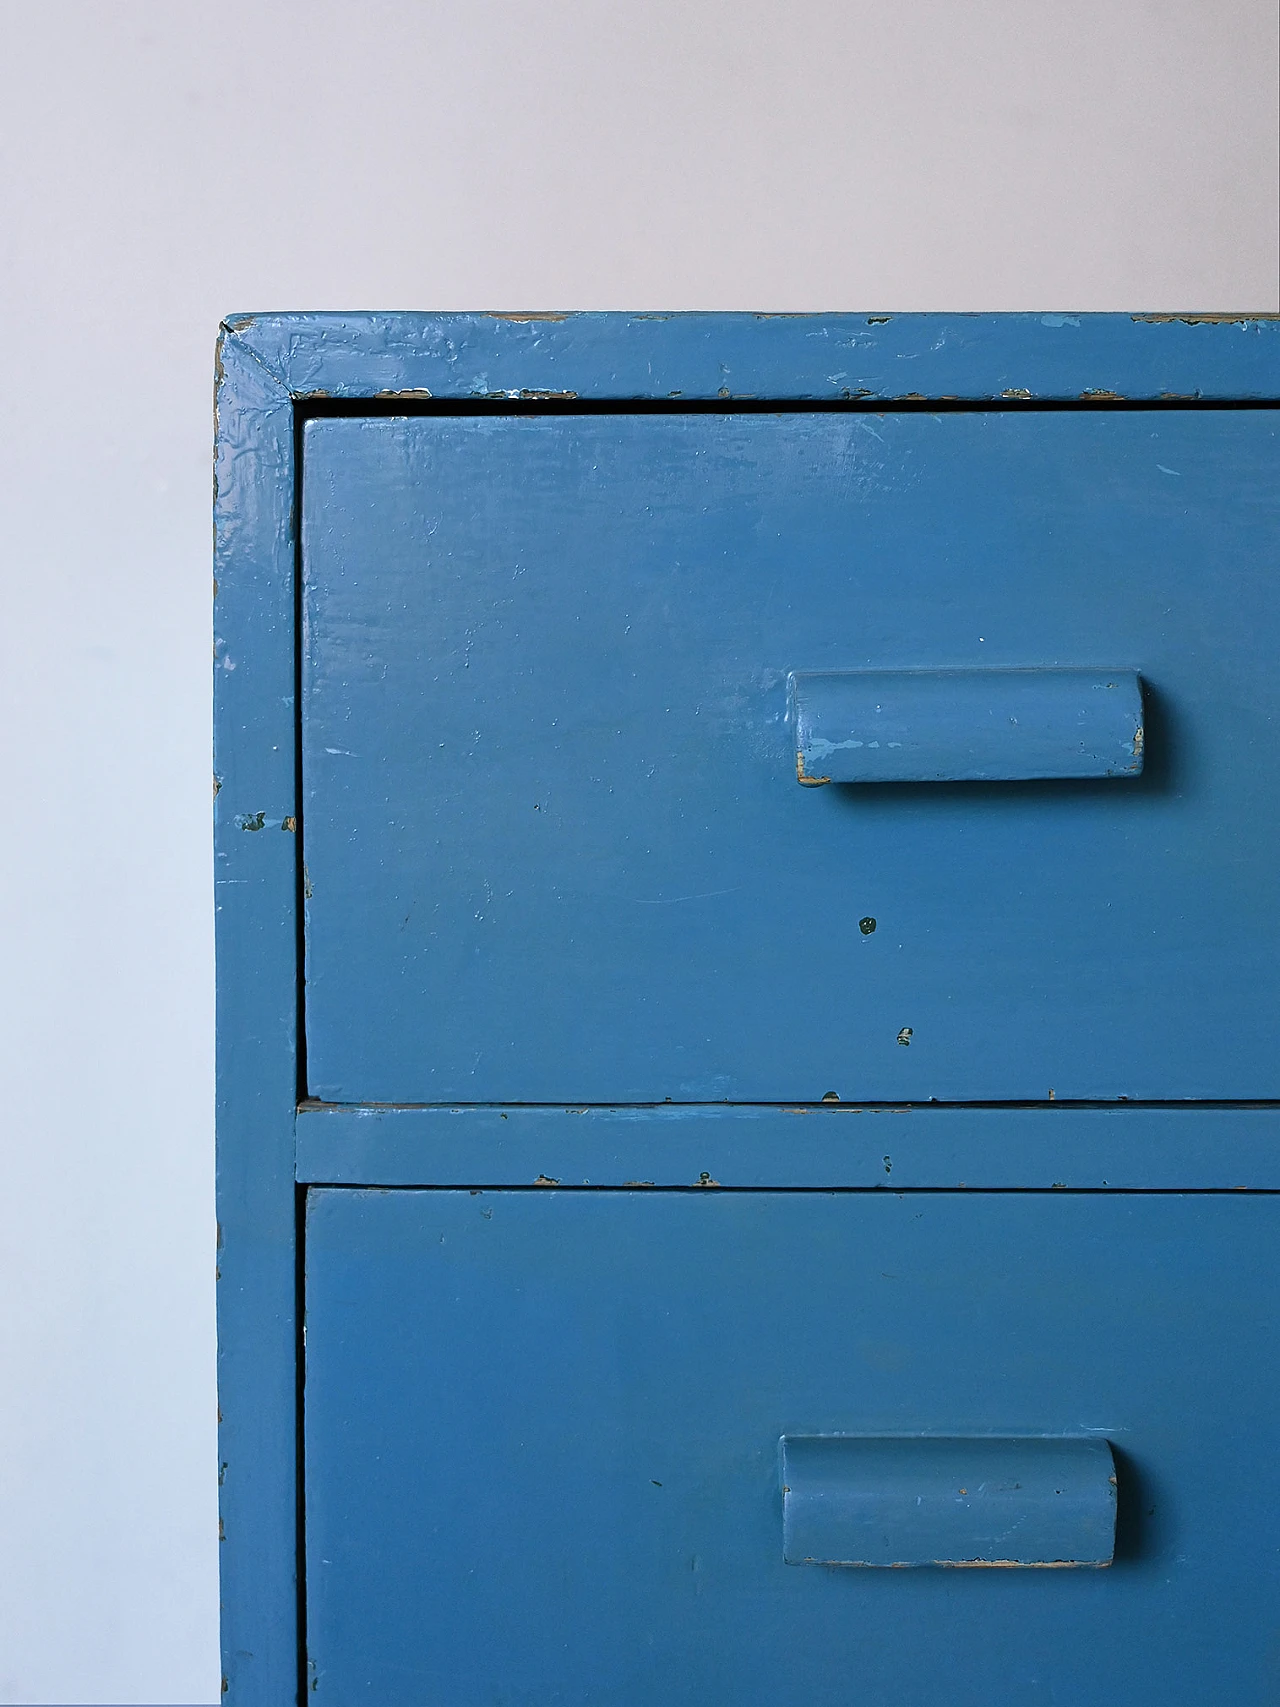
542	1442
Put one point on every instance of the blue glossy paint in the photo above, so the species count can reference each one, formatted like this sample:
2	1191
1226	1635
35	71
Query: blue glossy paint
687	1329
542	1442
554	844
966	725
921	1500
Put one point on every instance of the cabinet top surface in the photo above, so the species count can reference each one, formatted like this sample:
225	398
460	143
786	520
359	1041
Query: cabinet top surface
1091	359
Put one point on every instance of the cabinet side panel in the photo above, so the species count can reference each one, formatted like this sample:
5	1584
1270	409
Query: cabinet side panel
256	850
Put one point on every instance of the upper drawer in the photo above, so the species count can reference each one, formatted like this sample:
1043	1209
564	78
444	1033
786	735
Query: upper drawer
554	844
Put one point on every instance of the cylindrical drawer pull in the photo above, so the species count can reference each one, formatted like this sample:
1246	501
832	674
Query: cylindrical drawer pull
966	725
927	1500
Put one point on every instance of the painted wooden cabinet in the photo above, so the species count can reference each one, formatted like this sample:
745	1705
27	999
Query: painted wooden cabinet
748	991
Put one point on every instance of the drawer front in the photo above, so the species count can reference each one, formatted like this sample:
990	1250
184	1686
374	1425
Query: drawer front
555	847
543	1463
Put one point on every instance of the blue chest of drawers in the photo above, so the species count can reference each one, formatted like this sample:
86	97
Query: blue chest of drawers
748	990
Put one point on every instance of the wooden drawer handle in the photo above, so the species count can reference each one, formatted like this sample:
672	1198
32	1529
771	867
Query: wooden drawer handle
926	1500
966	725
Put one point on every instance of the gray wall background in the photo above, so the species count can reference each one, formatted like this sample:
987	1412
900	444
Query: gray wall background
166	162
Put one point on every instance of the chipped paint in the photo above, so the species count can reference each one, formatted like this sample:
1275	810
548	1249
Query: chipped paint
528	396
1202	319
808	781
1019	1565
